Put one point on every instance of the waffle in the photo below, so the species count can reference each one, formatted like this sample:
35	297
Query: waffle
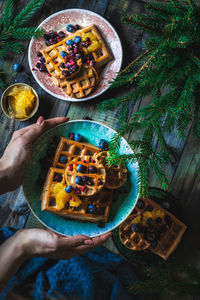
116	176
132	240
93	182
169	230
52	53
102	201
81	85
69	150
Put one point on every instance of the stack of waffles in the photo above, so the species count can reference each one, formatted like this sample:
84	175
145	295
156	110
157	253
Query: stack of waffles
74	67
77	185
150	227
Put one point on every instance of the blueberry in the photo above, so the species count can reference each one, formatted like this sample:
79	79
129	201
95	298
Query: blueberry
17	67
71	135
168	220
77	39
166	205
140	204
92	169
81	169
70	27
47	43
78	137
149	221
103	144
84	178
62	159
62	65
65	73
52	34
61	34
69	42
76	27
63	54
68	189
150	237
78	180
91	209
158	220
135	227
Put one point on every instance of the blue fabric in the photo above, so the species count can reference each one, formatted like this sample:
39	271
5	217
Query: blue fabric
97	275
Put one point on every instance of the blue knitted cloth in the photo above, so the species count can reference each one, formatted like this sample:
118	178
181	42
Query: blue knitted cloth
97	275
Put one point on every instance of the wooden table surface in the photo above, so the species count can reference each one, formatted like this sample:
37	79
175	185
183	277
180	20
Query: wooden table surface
183	174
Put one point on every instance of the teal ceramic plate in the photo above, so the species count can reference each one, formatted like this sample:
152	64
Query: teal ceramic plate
124	199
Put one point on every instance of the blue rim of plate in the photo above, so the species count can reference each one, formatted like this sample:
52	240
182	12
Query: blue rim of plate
124	199
41	84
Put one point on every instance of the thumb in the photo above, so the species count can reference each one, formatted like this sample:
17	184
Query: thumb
75	241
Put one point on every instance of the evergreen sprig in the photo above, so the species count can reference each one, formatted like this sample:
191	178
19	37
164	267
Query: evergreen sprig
12	29
168	71
160	281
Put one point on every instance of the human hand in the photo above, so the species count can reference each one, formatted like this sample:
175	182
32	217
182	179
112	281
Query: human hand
46	243
18	152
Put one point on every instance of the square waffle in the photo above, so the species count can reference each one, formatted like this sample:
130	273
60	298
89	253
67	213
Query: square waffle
102	201
169	238
81	85
53	58
70	149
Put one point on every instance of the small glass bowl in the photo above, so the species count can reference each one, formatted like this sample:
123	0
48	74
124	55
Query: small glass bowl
5	105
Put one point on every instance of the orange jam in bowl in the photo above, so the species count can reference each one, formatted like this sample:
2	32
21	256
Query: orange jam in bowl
20	100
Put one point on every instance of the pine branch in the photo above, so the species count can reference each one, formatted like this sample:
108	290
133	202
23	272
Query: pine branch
26	33
27	12
8	13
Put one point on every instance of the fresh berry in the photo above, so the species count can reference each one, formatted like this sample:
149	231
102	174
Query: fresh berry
69	42
47	43
77	39
92	160
158	220
86	118
52	34
81	169
166	205
41	59
61	34
84	178
76	27
70	27
78	180
83	188
91	209
70	167
100	182
78	137
150	237
135	228
38	65
72	62
149	221
63	54
140	204
92	169
71	135
78	56
68	189
57	177
83	44
46	36
168	220
103	144
17	67
62	65
65	73
39	54
62	159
